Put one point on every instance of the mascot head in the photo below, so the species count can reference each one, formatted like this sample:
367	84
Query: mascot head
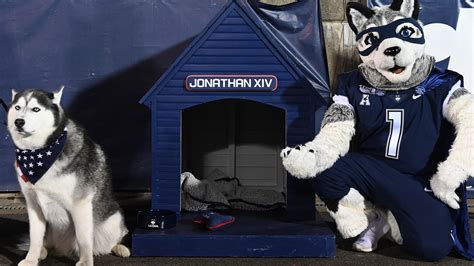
391	44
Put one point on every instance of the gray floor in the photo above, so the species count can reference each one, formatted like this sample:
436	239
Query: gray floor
13	225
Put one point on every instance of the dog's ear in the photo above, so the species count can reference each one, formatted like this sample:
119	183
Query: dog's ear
357	15
57	95
409	8
14	93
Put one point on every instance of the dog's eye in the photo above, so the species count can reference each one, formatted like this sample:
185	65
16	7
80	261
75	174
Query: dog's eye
406	31
36	109
17	107
370	39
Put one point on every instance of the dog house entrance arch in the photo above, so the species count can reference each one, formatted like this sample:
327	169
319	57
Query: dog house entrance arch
239	138
167	132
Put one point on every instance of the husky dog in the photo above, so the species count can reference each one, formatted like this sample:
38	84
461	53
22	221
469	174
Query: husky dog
71	209
396	76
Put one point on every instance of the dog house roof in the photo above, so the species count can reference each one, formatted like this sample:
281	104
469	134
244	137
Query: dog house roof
230	11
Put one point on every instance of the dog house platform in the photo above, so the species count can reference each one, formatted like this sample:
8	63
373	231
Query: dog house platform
231	101
249	236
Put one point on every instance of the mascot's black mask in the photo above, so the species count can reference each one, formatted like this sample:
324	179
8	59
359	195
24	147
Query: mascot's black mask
375	36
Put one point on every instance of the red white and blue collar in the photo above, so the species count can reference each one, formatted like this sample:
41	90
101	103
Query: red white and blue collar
33	164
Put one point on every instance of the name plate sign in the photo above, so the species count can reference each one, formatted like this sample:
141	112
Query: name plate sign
231	83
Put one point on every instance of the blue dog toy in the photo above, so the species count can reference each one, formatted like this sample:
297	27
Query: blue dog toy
213	220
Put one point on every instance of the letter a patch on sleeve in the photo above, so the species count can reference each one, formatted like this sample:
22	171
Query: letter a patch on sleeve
365	100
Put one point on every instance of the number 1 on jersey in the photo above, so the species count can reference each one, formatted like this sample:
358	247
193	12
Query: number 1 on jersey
395	117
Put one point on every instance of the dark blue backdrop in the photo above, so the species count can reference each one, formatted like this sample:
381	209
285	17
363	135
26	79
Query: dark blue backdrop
107	53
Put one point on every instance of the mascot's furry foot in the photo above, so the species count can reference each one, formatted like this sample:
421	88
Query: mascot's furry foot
355	216
369	239
351	214
394	234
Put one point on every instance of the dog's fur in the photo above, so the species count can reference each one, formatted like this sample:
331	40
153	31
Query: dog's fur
378	69
71	209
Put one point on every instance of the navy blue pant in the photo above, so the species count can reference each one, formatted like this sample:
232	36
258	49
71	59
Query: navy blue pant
425	222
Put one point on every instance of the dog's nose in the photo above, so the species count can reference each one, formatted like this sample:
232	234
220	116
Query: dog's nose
392	51
19	123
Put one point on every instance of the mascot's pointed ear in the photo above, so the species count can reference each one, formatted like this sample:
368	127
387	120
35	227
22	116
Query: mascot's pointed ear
357	15
57	95
409	8
14	93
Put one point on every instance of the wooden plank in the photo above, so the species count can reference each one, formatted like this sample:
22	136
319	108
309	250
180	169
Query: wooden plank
248	148
281	75
233	28
224	36
257	177
235	52
168	130
234	21
208	170
231	68
233	44
233	60
342	55
166	161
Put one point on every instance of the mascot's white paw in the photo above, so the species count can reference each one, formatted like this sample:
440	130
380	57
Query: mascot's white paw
26	262
444	191
301	162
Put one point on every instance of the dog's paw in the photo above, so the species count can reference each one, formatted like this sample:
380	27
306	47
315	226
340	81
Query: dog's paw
301	161
26	262
44	253
85	263
121	251
444	192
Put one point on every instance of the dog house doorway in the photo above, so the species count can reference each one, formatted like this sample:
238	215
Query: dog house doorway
241	138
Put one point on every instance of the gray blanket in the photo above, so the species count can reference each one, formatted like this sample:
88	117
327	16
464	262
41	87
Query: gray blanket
217	191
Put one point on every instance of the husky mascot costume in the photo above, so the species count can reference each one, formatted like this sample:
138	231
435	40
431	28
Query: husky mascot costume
396	146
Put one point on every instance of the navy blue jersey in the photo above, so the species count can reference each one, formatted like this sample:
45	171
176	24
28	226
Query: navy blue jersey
406	128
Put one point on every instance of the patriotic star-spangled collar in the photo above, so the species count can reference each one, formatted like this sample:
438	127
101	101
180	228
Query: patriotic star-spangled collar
33	164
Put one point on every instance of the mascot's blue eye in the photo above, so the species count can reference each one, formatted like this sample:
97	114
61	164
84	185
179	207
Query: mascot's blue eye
370	39
36	109
406	32
17	107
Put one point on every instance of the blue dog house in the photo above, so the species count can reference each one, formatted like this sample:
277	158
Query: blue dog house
232	101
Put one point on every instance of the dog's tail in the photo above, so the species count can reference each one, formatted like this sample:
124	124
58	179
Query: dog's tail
120	250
